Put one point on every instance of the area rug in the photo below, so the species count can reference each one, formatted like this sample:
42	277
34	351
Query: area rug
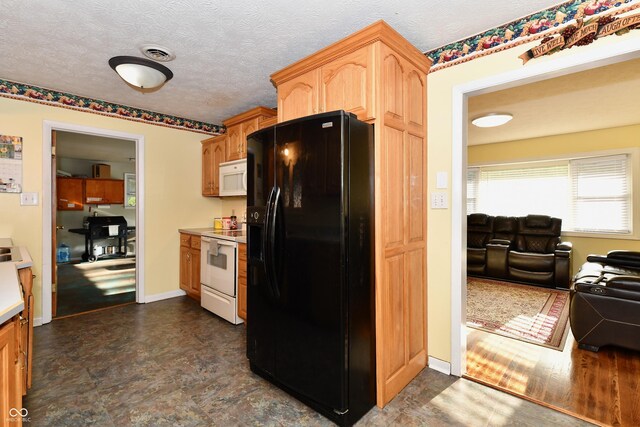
527	313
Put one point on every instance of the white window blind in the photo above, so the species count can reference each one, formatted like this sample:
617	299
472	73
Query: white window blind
601	194
523	189
472	189
590	195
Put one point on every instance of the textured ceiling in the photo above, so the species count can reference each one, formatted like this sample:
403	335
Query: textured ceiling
225	51
599	98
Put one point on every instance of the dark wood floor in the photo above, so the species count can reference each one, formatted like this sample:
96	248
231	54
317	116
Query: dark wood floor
603	387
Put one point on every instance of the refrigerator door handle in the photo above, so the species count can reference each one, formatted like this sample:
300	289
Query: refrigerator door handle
272	242
268	242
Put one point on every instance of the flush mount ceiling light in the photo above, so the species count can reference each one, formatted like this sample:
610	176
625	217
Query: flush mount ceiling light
491	120
140	72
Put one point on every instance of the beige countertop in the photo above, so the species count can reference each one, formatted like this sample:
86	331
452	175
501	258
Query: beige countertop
11	301
211	231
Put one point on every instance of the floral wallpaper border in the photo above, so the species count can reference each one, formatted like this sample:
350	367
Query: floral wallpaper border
40	95
524	30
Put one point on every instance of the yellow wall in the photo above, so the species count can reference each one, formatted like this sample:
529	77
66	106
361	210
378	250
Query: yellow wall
440	86
559	145
172	187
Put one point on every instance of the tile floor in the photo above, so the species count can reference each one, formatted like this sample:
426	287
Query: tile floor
171	363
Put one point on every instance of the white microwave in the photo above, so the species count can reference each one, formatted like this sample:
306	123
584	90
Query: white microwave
233	178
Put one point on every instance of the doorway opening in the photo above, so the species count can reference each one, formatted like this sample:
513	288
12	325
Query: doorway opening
113	241
95	219
545	376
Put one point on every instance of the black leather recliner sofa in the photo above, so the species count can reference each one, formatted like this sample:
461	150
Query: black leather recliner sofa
605	301
524	249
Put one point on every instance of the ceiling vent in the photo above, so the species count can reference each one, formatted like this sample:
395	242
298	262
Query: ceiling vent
157	53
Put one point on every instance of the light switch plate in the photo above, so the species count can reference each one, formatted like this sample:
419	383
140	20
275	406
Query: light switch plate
29	199
439	200
442	179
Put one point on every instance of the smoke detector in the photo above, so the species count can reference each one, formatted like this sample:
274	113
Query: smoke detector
157	53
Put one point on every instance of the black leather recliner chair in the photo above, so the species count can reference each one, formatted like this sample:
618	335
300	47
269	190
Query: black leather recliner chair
605	301
479	233
504	234
524	249
538	255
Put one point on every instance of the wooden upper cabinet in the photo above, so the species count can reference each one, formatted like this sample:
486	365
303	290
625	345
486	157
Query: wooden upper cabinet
230	146
241	126
299	96
104	191
347	84
234	143
70	194
213	153
378	75
265	123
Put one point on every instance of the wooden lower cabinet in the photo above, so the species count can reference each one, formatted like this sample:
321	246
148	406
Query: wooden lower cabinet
242	281
26	327
190	265
10	371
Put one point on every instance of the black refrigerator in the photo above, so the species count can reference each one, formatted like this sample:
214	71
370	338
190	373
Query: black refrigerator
310	299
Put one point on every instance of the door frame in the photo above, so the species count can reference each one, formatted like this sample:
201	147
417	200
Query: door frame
48	127
608	54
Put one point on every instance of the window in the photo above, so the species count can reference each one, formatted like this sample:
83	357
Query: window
591	195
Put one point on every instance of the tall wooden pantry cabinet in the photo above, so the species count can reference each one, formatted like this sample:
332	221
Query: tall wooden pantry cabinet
378	75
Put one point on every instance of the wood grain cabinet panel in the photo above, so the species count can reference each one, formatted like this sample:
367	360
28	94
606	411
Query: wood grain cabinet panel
415	269
10	368
392	188
299	97
190	265
347	82
242	281
416	189
70	194
392	87
213	153
103	191
381	77
234	143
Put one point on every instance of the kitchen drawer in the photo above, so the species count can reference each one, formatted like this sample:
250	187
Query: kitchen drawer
195	242
185	239
219	303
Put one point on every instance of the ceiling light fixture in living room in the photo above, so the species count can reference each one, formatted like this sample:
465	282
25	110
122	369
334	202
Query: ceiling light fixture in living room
490	120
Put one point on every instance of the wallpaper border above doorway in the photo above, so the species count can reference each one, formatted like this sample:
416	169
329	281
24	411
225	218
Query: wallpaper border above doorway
524	30
25	92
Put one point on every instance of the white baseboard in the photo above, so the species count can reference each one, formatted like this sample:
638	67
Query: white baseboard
37	321
165	295
440	365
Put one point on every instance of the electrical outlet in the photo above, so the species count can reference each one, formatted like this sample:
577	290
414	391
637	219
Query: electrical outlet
29	199
439	200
